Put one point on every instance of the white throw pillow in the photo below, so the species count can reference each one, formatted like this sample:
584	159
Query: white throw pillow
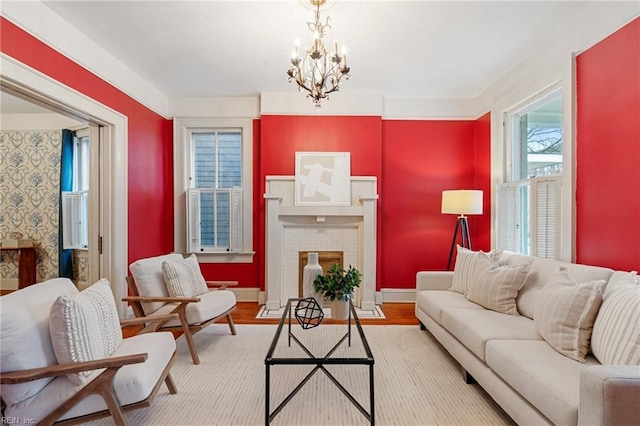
565	314
183	277
463	271
84	327
496	287
147	273
24	334
616	332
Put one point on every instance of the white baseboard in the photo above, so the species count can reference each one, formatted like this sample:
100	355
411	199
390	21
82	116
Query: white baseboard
398	295
246	294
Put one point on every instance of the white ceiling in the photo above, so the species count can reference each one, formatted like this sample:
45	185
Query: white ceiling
428	49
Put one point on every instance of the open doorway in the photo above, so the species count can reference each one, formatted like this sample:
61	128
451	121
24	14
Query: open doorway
110	222
50	203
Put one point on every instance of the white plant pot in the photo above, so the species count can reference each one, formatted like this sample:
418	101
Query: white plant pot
339	310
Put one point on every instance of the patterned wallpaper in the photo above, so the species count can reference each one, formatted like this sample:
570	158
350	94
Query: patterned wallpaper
29	196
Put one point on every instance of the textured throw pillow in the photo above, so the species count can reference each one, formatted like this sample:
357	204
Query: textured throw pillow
463	271
565	314
496	287
147	273
616	332
183	277
85	326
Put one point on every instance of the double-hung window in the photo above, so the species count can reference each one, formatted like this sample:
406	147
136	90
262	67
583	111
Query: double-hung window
75	203
213	188
214	201
529	200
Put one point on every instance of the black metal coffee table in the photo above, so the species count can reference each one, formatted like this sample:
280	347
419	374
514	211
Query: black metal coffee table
334	356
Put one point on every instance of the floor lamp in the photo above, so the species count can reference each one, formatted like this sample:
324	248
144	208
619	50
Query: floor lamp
461	202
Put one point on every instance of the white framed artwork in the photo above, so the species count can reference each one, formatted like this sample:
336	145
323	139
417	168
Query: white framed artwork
323	179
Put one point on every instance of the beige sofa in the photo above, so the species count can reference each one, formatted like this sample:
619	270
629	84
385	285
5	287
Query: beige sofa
506	354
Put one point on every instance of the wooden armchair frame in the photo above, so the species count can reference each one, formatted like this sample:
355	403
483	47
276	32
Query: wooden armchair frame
101	385
182	302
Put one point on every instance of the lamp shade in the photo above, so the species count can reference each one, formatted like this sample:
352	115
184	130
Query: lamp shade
462	201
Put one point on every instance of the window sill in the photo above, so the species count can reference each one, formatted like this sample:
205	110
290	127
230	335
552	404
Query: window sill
244	257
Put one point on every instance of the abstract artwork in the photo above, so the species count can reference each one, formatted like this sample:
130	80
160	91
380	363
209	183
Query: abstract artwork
323	179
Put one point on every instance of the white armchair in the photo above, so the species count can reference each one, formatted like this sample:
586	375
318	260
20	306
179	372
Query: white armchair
46	322
172	284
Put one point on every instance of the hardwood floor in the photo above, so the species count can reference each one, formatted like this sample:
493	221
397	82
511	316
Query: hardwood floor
396	313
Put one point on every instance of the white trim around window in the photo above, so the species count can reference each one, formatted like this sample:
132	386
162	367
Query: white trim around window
181	145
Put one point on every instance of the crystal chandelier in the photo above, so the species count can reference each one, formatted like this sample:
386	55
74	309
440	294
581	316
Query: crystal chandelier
318	72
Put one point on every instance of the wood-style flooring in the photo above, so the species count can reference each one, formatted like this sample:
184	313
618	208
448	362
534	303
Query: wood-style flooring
396	313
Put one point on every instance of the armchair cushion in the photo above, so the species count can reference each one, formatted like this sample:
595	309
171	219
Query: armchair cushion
147	274
24	327
212	304
132	383
183	277
85	326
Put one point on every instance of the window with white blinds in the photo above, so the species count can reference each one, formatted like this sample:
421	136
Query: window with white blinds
75	204
74	219
529	203
545	229
214	199
528	216
213	192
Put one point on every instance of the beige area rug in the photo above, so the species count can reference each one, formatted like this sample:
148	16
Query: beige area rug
416	383
376	313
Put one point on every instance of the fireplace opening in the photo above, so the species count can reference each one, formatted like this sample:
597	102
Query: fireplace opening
325	259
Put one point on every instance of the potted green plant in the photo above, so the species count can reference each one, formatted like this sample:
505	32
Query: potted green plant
337	285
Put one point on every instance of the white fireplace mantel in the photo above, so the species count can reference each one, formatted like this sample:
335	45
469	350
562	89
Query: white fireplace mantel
357	220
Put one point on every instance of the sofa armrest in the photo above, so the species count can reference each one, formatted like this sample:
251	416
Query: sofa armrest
434	280
609	395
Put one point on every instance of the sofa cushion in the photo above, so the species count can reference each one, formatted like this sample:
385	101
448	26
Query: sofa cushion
183	277
565	314
212	304
85	326
24	325
475	327
542	271
133	383
616	332
547	379
147	274
463	271
434	302
496	287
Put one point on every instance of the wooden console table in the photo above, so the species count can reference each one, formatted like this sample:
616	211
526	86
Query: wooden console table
26	264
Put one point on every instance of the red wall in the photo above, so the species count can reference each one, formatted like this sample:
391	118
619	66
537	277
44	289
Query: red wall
150	167
420	160
608	151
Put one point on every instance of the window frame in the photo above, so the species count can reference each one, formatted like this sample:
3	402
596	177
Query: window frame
511	175
182	146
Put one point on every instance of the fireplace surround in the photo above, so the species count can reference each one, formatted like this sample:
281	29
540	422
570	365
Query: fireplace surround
291	229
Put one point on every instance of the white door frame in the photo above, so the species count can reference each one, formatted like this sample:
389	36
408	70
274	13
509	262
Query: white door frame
23	79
